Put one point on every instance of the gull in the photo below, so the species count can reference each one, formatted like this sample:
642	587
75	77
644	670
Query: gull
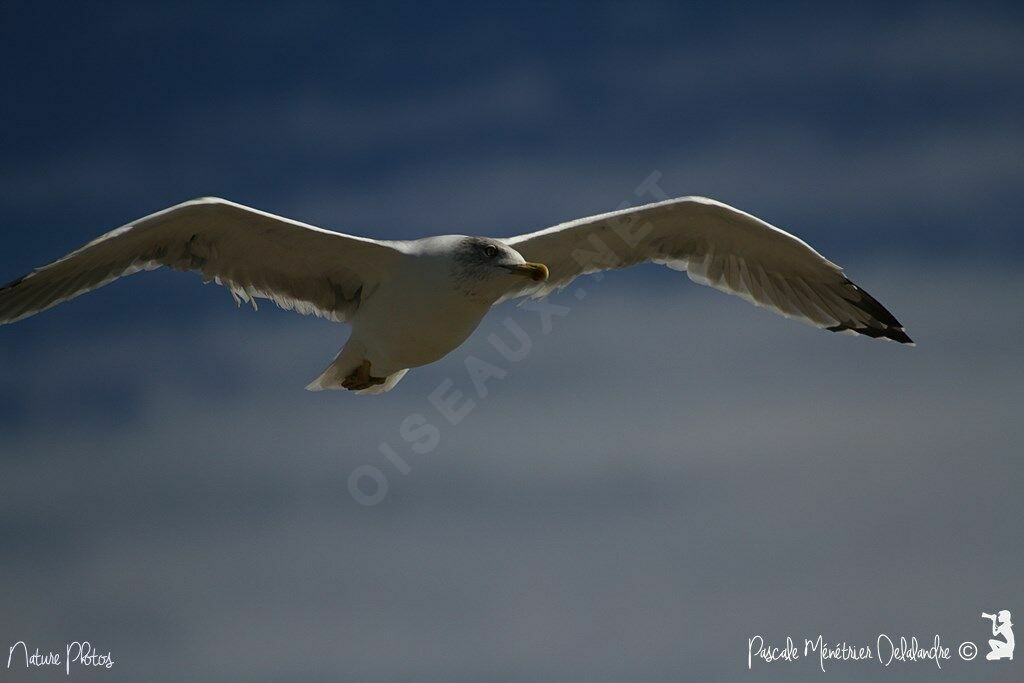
410	303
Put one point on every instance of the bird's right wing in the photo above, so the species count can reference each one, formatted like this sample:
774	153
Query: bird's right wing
253	253
719	246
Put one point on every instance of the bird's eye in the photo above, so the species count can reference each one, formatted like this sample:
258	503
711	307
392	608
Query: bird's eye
490	251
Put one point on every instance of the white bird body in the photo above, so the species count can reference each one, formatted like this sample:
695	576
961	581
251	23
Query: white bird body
437	317
411	303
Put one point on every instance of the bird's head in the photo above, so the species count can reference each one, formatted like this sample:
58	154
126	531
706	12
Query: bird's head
489	268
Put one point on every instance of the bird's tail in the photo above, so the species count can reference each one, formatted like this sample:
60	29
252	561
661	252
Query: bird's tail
342	367
388	385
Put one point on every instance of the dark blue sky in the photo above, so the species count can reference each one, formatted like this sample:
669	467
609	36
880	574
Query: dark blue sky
871	127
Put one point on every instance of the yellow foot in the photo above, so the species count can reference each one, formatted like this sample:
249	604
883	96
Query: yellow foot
361	378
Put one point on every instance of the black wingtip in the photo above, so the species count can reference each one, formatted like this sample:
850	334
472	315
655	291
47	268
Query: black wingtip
899	335
896	334
885	326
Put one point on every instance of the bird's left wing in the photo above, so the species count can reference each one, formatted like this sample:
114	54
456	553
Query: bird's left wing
716	245
253	253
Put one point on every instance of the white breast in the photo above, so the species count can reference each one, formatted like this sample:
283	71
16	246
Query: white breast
416	318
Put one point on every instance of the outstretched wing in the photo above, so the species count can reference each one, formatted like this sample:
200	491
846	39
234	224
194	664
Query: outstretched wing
716	245
254	254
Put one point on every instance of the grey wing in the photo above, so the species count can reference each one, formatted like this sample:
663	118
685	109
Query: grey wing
253	253
719	246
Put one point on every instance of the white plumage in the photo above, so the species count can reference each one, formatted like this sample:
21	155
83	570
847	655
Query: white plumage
412	302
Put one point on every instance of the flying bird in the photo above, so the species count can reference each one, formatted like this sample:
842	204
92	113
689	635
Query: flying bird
411	303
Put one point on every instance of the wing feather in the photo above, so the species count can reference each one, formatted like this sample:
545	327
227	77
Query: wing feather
254	254
719	246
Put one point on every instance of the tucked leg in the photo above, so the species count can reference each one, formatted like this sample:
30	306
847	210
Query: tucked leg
361	378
